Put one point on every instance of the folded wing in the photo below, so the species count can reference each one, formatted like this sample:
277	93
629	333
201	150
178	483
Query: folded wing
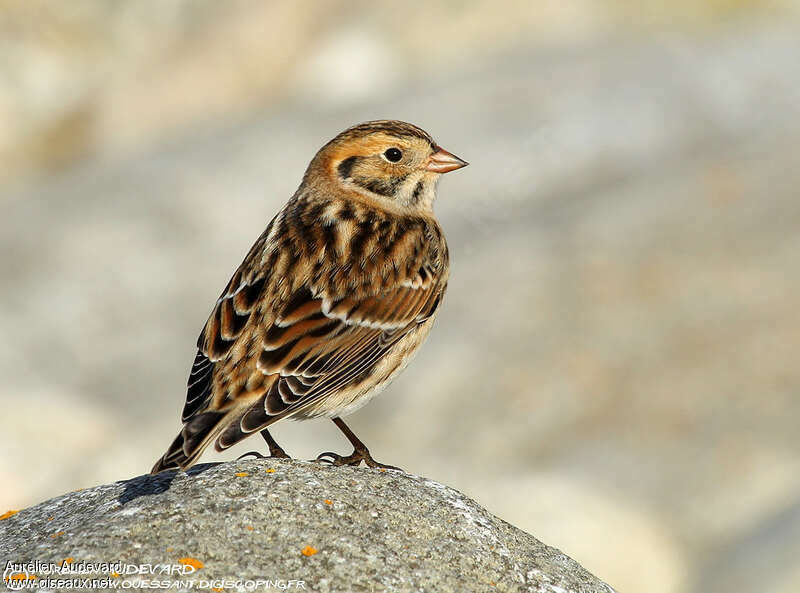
269	351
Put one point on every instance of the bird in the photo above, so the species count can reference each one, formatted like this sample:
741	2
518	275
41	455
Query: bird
332	301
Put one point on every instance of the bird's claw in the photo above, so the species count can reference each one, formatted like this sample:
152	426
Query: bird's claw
383	466
354	459
337	460
255	454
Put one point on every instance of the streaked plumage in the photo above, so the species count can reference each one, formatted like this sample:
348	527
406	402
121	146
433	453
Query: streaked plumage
331	302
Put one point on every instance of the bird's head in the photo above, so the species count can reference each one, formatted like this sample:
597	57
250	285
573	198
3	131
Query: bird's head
386	160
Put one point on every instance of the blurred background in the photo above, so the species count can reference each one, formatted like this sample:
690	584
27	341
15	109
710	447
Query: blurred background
615	369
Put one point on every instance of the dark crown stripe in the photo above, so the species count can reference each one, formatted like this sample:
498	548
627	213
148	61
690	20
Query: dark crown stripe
393	127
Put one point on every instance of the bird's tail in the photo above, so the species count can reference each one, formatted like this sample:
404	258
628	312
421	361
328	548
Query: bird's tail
227	427
192	440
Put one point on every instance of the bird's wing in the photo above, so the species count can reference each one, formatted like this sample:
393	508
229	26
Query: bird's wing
225	325
320	345
270	349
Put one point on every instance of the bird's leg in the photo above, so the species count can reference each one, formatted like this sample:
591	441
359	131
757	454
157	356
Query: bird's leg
275	450
360	451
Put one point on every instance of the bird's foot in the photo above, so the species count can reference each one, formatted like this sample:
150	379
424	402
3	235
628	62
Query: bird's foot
355	458
278	454
255	454
275	450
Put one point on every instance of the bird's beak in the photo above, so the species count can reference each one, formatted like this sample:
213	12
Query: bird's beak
442	161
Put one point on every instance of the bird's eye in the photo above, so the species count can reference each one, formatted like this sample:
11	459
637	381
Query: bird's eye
393	154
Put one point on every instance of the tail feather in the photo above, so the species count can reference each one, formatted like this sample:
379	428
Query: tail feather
226	427
172	458
192	441
252	419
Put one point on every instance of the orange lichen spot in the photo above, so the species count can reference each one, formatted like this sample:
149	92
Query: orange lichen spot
57	533
382	470
19	577
193	562
50	518
328	501
249	527
492	583
217	589
8	514
270	471
67	561
308	551
242	474
114	574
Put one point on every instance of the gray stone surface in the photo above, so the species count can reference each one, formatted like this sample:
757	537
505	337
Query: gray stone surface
251	519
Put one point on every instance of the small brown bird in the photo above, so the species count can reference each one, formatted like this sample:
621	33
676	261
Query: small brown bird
332	301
